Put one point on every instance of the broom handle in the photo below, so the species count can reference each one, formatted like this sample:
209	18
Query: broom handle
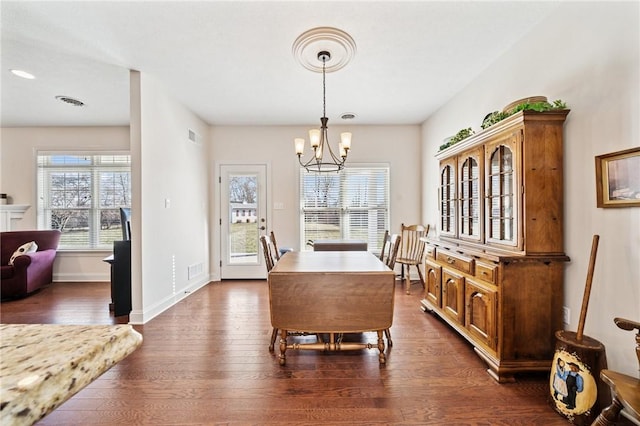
587	288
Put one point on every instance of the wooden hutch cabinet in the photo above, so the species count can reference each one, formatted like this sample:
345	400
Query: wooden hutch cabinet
495	271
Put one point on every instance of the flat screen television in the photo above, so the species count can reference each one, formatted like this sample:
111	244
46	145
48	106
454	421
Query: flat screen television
125	222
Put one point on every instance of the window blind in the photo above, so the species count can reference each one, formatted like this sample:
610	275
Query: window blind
351	204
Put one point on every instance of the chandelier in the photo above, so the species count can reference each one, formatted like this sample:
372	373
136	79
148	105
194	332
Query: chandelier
323	158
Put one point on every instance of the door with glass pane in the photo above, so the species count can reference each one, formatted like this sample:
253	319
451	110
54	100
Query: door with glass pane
243	218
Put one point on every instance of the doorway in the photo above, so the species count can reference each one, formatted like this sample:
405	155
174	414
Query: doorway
243	214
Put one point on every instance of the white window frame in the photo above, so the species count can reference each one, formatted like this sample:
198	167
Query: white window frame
98	162
375	227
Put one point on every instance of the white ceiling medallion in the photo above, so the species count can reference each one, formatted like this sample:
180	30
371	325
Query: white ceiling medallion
337	42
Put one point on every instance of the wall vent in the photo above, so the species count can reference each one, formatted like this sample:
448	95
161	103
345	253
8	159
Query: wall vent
194	138
194	270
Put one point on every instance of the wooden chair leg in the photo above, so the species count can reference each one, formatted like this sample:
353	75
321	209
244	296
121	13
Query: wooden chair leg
610	415
407	285
421	277
387	333
274	335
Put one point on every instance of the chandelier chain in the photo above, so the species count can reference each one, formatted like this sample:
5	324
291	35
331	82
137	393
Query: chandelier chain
324	88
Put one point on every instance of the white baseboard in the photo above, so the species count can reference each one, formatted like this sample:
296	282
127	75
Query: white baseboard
80	277
140	317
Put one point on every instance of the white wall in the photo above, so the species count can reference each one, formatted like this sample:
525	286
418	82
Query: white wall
397	145
586	54
18	150
170	211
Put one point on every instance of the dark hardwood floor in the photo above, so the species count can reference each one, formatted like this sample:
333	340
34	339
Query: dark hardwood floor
205	361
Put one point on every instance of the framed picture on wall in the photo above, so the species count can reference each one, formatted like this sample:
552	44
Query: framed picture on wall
618	178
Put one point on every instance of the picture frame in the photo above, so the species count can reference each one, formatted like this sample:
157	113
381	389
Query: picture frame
618	178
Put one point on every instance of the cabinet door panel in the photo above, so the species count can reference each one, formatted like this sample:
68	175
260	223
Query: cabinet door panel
433	275
453	295
481	312
502	164
470	172
448	197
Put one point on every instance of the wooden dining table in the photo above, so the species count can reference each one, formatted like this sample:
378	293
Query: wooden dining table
331	293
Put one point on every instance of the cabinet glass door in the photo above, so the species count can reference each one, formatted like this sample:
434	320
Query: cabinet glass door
501	214
469	196
448	199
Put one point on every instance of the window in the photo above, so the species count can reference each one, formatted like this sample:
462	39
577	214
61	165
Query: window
351	204
81	195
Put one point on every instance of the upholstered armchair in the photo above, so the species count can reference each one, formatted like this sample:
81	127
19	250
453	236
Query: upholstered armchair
30	270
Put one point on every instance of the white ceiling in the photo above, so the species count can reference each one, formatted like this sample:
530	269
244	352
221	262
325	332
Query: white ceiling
231	62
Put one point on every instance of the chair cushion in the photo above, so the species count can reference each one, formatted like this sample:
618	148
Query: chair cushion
29	247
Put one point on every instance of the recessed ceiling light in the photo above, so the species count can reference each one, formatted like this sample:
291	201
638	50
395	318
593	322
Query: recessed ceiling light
70	101
23	74
348	116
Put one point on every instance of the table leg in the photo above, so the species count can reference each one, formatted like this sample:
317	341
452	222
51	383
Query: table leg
382	357
283	347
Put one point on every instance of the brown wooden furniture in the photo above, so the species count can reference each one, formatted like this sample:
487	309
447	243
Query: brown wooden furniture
276	251
391	252
625	389
385	243
268	251
329	292
339	245
411	251
388	257
495	273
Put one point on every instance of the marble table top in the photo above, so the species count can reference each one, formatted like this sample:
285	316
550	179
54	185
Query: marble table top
43	365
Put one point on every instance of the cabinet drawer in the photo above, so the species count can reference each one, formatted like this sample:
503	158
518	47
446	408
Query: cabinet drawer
487	272
457	261
430	252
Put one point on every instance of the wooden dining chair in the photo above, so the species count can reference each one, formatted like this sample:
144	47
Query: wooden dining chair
269	260
390	253
625	389
272	237
411	252
268	251
385	243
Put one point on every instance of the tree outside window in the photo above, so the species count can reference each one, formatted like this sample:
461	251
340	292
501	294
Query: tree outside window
81	195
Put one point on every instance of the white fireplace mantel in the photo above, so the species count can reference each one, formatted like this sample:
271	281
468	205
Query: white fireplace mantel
9	213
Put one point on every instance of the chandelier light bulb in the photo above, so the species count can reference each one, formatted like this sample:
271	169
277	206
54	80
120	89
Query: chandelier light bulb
314	138
346	140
